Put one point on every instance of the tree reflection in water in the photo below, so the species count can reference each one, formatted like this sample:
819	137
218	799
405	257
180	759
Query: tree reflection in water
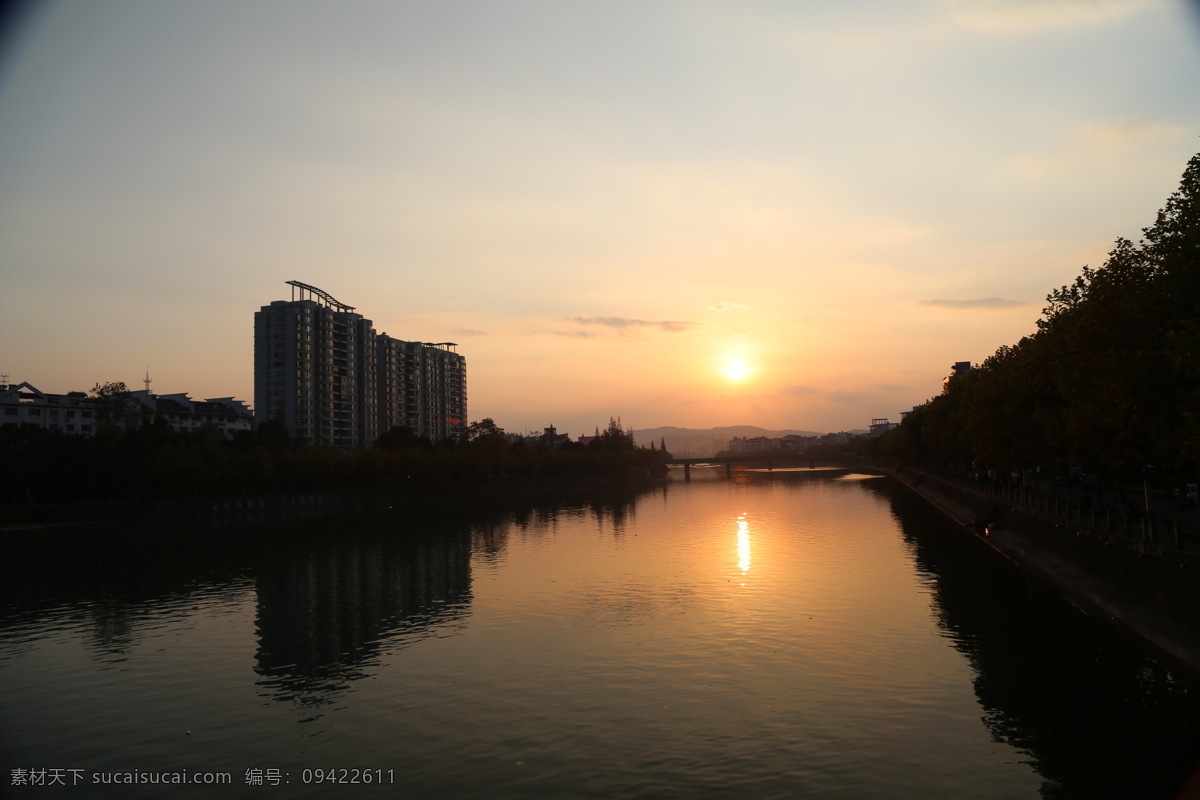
1040	666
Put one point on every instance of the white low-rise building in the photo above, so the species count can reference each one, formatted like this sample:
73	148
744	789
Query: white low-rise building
182	413
23	404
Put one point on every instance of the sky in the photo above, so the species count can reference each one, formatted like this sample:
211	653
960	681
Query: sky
792	214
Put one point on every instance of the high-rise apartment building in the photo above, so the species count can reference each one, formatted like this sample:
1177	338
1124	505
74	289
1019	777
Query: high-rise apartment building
422	386
321	369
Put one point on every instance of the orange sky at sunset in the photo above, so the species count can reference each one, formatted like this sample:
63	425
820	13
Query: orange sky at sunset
692	214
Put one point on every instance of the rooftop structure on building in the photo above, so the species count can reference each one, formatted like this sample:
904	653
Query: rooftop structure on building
181	413
24	404
322	370
880	426
957	371
551	437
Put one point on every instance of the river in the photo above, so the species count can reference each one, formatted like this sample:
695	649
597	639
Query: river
790	634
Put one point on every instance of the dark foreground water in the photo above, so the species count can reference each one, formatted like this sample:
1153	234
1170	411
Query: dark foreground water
786	634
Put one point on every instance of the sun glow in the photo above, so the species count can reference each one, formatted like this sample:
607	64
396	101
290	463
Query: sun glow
736	369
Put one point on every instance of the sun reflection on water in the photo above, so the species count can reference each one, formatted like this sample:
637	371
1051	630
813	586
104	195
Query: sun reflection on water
743	544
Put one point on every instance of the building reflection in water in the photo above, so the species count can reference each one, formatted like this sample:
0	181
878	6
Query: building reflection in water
330	605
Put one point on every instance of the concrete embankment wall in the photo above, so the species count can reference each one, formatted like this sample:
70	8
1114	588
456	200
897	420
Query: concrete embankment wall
1154	599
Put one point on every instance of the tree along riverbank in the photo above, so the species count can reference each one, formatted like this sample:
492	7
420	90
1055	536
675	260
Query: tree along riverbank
153	465
1151	593
251	509
1104	393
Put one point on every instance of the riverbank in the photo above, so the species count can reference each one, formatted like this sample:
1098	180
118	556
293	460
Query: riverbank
217	512
1152	598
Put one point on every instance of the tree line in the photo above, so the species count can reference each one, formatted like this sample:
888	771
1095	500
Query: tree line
150	460
1109	383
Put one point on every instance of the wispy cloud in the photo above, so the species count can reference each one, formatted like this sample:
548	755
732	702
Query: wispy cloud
870	392
1123	134
1097	144
468	332
984	303
625	323
844	397
1036	16
794	390
727	306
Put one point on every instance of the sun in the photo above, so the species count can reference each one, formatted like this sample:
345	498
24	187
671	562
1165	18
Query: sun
736	369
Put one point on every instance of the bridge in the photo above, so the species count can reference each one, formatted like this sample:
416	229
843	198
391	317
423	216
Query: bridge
764	461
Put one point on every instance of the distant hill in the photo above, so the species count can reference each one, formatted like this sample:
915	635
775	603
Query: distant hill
705	442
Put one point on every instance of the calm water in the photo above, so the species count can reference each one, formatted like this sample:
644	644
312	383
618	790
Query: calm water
783	634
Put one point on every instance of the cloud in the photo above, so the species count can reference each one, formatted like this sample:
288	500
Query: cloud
468	332
1035	16
1098	145
624	323
796	391
984	303
1125	134
727	306
843	397
874	393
